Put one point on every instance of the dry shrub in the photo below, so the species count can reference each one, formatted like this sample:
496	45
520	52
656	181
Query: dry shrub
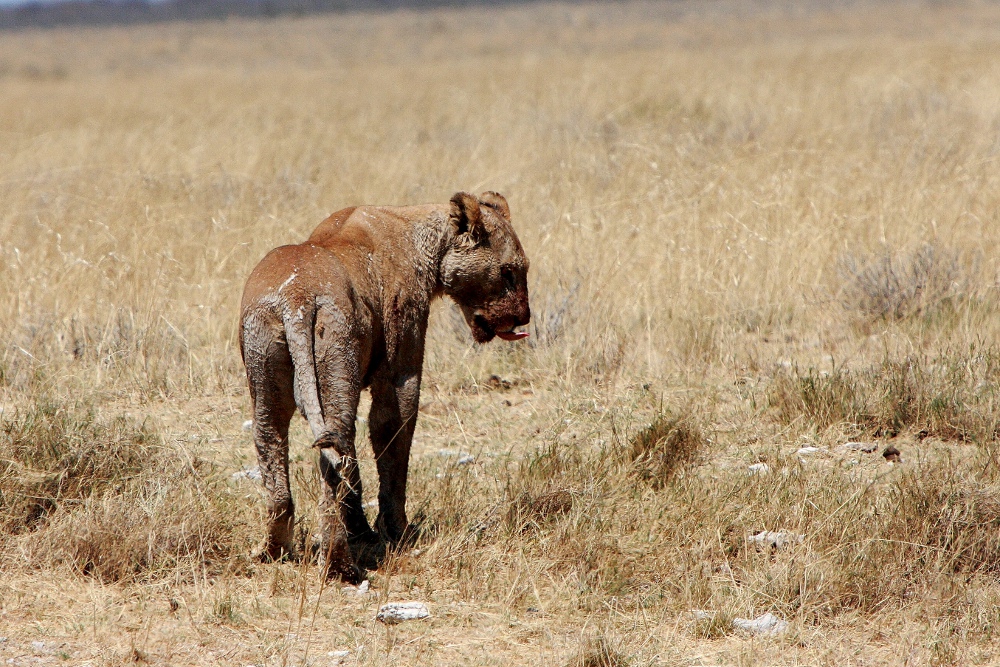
534	498
533	509
929	524
951	522
554	311
598	653
714	625
866	547
159	527
108	498
894	286
54	453
665	447
951	396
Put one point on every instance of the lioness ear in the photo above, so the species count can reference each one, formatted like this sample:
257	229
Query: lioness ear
466	215
497	202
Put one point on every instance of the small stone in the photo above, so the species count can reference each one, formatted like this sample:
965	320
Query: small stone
252	474
464	458
765	624
759	469
775	540
248	425
807	451
397	612
339	654
891	455
865	447
360	590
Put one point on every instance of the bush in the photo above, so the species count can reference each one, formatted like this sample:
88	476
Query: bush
894	286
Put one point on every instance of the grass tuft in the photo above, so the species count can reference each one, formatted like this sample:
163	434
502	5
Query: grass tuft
599	653
951	396
532	509
60	452
665	447
106	497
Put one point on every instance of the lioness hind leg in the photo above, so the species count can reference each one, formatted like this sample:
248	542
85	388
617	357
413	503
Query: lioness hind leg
339	357
337	560
273	403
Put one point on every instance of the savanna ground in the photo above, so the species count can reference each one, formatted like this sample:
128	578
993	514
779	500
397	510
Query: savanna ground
753	229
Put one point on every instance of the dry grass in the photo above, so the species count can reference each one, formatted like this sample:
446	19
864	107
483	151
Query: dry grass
751	230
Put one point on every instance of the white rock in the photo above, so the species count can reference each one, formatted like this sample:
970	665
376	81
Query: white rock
464	458
866	447
339	654
775	540
759	469
703	614
247	425
360	590
397	612
765	624
247	473
807	451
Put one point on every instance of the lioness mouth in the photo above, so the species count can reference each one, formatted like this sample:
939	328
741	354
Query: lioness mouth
507	334
512	335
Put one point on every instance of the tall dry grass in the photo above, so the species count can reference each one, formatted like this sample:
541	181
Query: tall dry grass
751	229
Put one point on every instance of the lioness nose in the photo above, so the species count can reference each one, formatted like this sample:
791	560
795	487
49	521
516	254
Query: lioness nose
525	315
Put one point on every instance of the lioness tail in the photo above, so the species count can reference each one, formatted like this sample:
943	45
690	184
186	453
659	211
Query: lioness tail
299	328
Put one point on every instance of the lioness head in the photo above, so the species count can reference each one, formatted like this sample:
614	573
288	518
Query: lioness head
485	270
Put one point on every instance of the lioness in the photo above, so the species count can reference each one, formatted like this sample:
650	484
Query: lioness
348	309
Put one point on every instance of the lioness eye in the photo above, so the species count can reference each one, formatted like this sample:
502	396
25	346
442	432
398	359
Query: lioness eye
509	281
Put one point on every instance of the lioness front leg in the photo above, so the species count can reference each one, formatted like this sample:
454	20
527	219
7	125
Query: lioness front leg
391	421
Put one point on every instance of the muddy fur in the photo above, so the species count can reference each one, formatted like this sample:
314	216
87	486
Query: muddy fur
347	310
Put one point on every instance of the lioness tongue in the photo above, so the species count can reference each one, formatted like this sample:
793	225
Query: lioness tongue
512	335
